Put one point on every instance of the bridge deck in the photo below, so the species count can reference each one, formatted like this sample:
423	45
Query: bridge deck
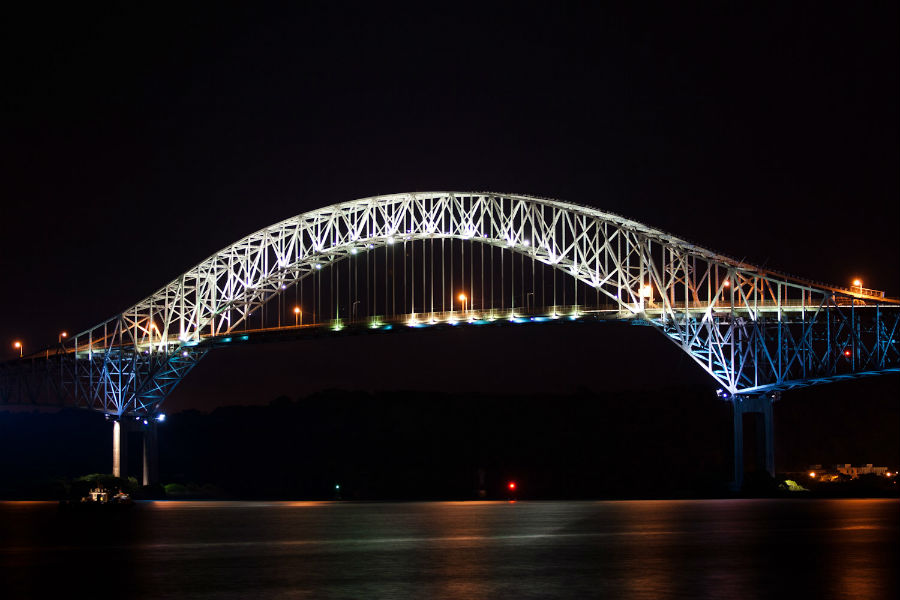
788	311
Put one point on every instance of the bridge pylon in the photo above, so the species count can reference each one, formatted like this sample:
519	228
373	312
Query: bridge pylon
759	408
149	447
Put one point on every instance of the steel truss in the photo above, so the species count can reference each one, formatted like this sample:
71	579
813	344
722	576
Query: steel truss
753	330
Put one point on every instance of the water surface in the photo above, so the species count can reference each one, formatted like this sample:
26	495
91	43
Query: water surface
630	549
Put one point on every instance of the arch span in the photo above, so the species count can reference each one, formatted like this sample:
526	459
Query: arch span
751	329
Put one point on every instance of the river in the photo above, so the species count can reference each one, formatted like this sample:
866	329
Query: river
611	549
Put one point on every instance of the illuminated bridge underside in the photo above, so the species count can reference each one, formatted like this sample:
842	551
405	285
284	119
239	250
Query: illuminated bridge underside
755	331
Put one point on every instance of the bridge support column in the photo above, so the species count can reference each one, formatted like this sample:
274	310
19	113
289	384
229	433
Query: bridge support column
120	449
760	409
151	454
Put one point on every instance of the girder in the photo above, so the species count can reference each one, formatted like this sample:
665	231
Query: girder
754	330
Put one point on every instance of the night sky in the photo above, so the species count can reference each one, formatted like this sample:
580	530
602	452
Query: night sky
135	142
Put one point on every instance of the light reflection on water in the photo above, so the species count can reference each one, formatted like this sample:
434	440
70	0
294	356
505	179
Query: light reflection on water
639	549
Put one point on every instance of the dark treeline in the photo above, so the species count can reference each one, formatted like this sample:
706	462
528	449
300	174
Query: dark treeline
402	445
416	445
419	445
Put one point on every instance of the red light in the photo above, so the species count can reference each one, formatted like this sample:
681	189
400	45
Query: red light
846	353
512	485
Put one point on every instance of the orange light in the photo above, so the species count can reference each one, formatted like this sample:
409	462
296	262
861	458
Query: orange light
462	297
64	334
857	282
812	473
17	345
727	283
512	485
846	352
296	310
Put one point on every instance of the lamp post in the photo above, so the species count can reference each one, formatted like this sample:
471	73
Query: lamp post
464	300
857	283
62	334
298	314
18	346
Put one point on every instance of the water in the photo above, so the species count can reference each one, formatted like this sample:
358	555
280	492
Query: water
635	549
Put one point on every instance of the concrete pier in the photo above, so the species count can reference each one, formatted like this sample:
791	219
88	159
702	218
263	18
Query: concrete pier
120	449
759	408
149	447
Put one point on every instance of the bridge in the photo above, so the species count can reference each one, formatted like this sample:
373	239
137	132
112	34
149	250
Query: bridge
449	259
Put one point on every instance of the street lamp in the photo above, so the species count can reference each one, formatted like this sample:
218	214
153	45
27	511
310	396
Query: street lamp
463	299
18	346
298	314
857	283
62	334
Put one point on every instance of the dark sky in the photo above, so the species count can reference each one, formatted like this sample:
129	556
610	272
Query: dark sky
137	141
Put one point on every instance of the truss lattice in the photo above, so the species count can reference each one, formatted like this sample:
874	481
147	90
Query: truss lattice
753	330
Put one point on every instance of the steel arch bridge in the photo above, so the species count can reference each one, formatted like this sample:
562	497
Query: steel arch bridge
755	331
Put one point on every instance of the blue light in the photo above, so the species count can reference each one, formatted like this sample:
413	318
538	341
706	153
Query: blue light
244	338
388	327
226	340
161	417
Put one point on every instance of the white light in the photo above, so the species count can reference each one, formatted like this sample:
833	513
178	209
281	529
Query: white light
390	240
525	243
184	354
352	250
161	417
318	266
